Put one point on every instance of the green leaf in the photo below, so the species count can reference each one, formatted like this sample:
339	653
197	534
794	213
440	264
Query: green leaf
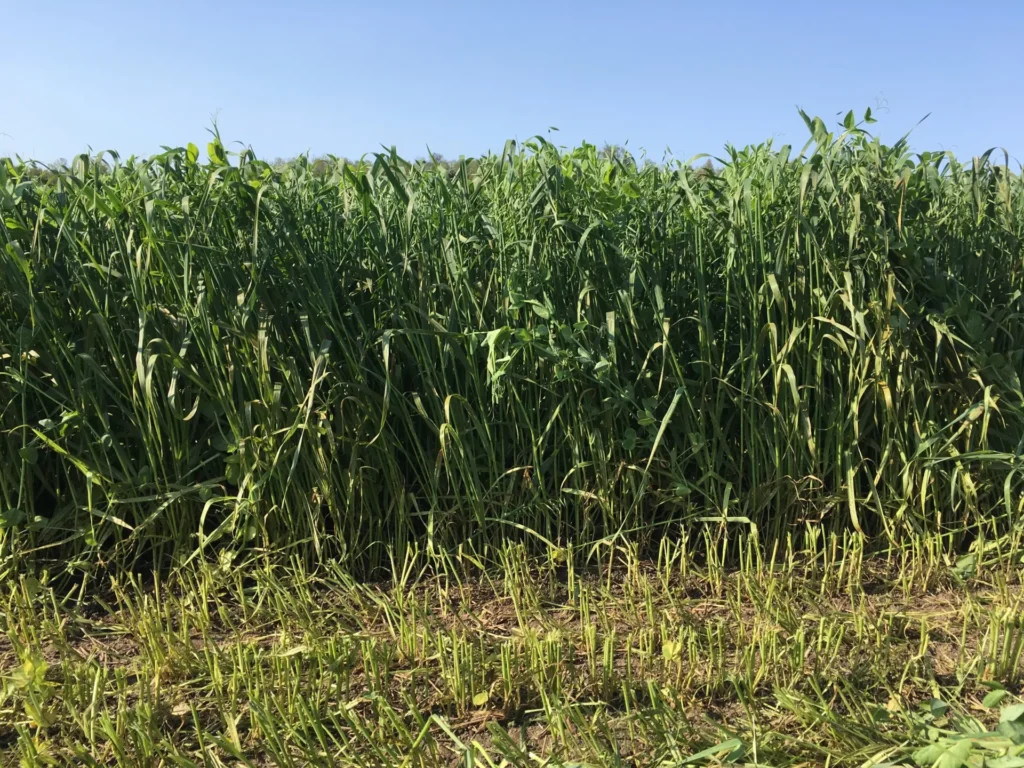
1012	730
11	517
966	566
295	650
42	717
993	698
849	122
737	754
192	153
216	152
880	715
1012	713
33	588
540	310
944	754
481	698
232	470
629	439
718	750
671	649
31	674
937	707
29	454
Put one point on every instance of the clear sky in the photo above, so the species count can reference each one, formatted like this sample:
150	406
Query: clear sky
462	77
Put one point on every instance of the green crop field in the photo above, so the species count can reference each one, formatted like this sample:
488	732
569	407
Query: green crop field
553	457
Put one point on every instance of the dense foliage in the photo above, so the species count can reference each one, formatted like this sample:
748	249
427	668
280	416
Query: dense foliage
545	344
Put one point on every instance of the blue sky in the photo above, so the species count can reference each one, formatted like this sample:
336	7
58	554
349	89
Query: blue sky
462	77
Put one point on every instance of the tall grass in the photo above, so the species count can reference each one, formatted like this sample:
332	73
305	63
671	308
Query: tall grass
538	344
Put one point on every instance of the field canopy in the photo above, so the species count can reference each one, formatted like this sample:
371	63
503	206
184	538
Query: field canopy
546	345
